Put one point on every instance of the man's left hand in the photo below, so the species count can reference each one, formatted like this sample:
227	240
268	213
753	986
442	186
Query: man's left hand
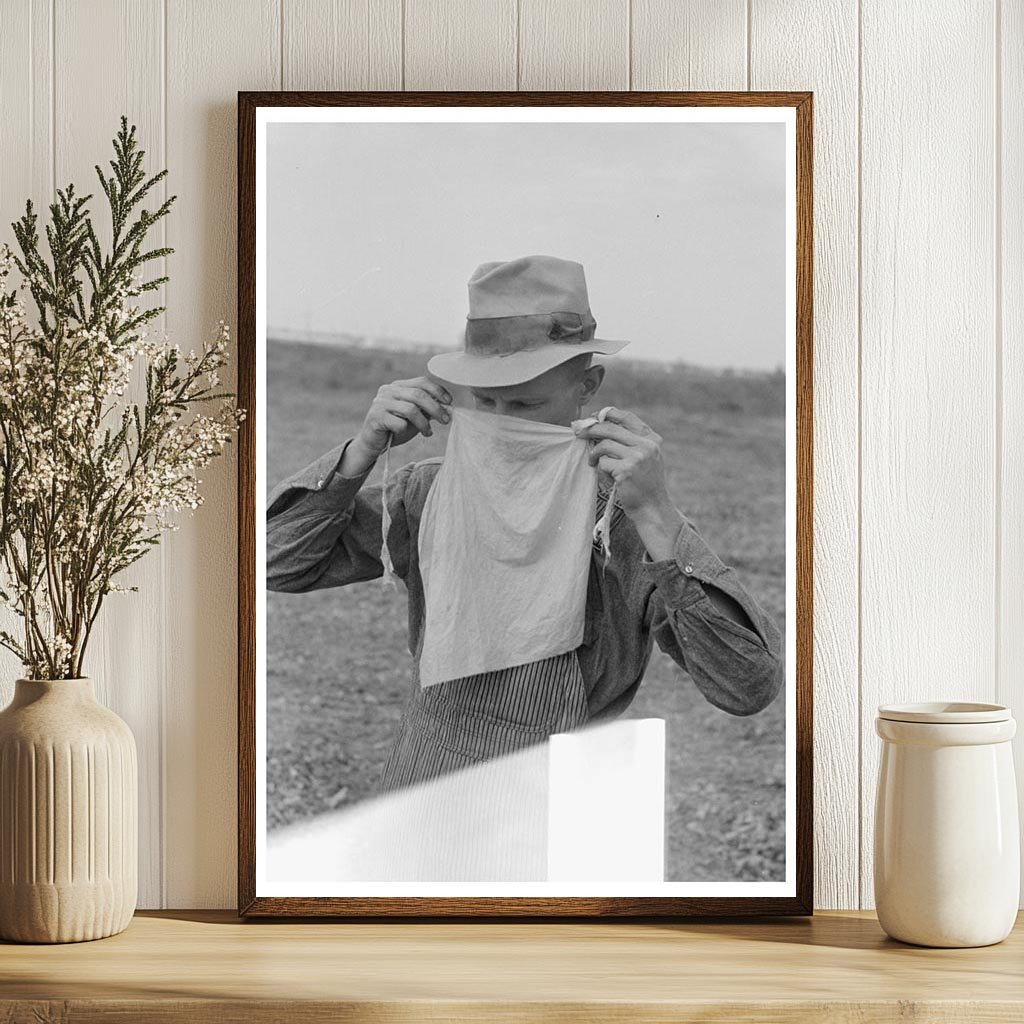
630	452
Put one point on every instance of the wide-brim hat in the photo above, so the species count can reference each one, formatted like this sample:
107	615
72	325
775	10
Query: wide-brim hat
526	316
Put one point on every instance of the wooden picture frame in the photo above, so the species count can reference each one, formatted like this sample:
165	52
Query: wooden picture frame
252	902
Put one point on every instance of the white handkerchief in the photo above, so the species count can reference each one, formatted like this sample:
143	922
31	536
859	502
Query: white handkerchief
505	546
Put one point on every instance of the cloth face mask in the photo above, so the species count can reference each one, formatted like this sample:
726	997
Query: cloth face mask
505	546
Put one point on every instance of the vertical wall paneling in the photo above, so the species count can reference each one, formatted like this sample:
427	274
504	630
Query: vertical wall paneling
919	316
689	44
342	44
1010	239
26	109
928	410
468	45
213	51
26	129
574	44
814	46
123	659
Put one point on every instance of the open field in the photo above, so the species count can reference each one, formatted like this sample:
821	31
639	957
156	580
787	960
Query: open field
338	664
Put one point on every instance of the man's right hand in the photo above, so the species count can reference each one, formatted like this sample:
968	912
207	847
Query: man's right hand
403	409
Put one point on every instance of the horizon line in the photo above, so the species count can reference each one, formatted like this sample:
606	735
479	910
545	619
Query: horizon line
341	339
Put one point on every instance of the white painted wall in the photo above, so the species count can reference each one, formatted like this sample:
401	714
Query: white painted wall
919	315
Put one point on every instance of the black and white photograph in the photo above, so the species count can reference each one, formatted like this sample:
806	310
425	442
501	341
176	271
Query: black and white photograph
525	502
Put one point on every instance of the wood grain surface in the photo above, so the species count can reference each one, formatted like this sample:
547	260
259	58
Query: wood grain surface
785	57
469	45
229	45
329	44
579	44
208	966
133	680
696	44
928	375
1009	271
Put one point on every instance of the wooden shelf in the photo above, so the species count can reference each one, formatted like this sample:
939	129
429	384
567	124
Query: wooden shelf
200	967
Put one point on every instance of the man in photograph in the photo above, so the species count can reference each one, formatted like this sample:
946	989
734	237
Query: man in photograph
540	573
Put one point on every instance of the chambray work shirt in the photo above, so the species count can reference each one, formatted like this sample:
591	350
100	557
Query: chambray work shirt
324	530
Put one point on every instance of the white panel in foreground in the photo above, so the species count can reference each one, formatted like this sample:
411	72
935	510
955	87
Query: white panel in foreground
486	823
606	803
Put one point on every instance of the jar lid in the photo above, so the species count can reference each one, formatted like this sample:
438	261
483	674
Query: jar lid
944	712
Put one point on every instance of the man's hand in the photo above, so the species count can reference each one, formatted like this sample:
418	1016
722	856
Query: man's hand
630	452
403	409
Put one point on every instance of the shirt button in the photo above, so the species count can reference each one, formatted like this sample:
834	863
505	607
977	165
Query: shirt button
687	568
319	483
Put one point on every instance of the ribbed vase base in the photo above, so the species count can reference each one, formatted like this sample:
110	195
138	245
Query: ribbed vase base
63	913
68	815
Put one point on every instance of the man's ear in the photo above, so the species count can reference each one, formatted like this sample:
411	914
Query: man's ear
590	382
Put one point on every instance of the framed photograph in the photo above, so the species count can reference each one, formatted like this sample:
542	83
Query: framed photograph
525	504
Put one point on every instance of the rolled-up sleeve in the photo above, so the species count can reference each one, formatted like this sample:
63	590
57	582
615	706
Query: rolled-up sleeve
324	529
738	670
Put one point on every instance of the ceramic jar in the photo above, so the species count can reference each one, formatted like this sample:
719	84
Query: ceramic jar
947	845
68	813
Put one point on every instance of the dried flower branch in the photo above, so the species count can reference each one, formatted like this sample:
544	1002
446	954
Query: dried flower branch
90	478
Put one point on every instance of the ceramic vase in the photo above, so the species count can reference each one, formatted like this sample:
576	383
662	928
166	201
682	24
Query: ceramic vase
947	845
68	815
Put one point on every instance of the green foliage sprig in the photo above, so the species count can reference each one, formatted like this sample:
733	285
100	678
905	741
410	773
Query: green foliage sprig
89	477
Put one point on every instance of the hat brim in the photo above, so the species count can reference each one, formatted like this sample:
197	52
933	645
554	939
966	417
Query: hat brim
515	367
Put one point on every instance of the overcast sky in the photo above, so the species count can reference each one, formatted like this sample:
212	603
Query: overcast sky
374	229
